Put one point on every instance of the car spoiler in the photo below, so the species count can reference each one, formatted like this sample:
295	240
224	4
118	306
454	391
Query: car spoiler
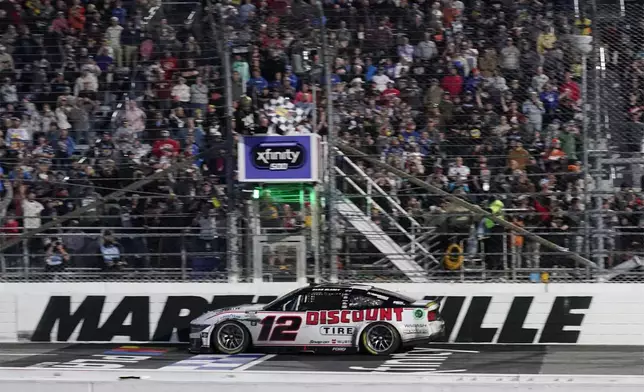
427	302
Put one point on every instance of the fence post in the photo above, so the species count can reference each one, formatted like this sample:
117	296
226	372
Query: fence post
586	147
25	257
232	217
599	55
332	220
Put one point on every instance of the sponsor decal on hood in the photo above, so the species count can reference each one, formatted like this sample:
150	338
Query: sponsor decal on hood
206	317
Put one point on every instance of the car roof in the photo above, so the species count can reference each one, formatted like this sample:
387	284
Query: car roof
341	286
363	287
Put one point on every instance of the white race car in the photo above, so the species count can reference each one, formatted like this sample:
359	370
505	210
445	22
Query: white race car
325	317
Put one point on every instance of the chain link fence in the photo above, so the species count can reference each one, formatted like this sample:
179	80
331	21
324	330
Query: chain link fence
506	105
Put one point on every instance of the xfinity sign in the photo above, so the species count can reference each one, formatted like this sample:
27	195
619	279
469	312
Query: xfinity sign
279	159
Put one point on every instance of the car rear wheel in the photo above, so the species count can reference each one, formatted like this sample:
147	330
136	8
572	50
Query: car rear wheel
380	339
230	337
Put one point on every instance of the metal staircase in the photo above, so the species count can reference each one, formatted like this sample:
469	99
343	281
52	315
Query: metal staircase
414	254
403	260
429	242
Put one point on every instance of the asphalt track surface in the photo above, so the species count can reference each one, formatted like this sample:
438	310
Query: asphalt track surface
439	358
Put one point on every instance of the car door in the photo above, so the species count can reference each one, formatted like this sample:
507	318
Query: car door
280	324
315	305
288	322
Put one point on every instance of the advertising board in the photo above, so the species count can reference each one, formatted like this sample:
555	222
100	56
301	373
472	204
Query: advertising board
279	159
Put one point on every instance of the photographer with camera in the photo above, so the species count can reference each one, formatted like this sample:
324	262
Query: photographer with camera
111	252
55	255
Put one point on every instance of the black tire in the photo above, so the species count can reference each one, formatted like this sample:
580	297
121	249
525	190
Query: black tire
227	344
380	339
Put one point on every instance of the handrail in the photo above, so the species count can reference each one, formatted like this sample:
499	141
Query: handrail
379	208
423	237
378	188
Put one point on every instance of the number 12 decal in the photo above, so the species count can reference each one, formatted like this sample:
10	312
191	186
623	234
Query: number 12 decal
286	328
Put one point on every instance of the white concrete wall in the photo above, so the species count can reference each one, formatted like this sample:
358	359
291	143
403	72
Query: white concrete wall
615	314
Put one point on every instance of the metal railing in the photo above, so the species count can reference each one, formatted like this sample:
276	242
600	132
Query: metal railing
159	255
415	228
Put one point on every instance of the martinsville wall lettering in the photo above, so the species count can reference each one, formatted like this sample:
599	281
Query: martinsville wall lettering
177	313
512	330
561	325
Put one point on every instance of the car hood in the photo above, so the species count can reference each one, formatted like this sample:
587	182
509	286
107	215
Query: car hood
207	317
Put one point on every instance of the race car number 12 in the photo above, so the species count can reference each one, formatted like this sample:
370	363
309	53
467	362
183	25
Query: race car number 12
284	330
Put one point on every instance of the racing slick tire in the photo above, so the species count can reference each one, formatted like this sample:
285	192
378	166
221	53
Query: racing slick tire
380	339
230	337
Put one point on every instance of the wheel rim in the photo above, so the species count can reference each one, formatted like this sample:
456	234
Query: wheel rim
230	337
380	338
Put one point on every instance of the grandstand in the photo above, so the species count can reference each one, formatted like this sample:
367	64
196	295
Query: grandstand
120	121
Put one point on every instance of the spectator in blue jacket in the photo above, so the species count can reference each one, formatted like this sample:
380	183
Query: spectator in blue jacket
64	149
550	98
119	12
257	82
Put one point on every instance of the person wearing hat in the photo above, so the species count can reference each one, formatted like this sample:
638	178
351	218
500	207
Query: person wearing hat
381	79
16	137
104	147
166	147
390	92
434	94
113	34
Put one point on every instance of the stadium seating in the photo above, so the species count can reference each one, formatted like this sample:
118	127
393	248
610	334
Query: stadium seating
483	99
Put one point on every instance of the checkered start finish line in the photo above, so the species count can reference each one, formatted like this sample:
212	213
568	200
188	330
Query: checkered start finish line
214	362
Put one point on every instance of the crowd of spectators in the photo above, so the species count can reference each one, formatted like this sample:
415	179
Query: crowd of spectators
480	98
95	96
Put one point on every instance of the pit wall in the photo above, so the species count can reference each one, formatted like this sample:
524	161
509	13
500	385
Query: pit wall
595	314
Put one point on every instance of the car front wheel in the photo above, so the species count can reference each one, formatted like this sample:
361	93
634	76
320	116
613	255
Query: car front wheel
230	337
380	339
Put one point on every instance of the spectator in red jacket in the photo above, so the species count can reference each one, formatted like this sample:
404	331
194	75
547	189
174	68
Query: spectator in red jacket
166	147
453	83
570	88
390	92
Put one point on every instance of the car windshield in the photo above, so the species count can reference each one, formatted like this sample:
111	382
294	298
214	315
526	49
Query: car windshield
278	299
